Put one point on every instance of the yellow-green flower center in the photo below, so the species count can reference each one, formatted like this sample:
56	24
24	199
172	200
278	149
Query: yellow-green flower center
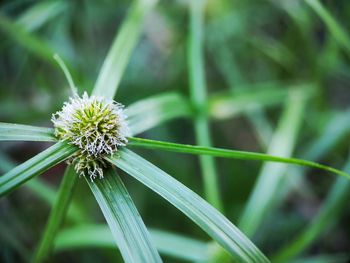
97	126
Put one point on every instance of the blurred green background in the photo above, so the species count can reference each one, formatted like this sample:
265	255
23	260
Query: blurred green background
251	48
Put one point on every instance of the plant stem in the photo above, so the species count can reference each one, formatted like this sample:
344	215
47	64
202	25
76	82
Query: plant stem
199	100
57	215
225	153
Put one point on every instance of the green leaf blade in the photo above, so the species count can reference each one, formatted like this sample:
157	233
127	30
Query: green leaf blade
225	153
34	166
198	210
20	132
198	92
100	236
262	198
119	54
150	112
333	206
127	227
57	215
339	34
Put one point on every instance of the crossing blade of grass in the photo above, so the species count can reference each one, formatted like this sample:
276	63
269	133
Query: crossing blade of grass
147	113
228	104
33	44
129	232
331	258
192	205
119	54
225	153
334	204
19	132
40	13
35	166
57	216
225	59
336	129
170	244
282	144
42	190
46	193
199	100
8	239
339	34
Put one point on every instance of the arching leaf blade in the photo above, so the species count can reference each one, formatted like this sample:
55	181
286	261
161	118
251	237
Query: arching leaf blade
129	232
192	205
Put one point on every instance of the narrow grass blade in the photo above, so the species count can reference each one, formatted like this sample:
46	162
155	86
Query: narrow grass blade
225	58
8	239
170	244
35	166
271	175
128	229
336	129
199	100
119	54
19	132
42	190
336	30
150	112
225	153
229	104
335	203
192	205
32	43
40	13
57	215
330	258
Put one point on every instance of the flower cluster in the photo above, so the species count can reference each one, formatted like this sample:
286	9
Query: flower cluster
97	126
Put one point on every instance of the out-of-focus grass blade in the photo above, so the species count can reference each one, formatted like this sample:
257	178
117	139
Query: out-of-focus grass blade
32	43
335	203
86	236
225	153
127	227
333	26
335	258
40	13
150	112
335	130
229	104
271	175
274	50
179	246
119	54
199	100
8	239
57	216
147	113
19	132
192	205
41	189
48	194
34	166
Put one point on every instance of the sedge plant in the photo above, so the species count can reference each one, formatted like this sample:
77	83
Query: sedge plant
93	133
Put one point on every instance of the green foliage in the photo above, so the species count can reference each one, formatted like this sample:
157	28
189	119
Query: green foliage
263	81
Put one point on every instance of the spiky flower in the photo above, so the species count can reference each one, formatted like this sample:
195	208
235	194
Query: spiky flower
97	126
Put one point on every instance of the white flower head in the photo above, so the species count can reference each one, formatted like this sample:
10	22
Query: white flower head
97	126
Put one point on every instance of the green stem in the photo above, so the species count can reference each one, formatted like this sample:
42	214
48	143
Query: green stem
57	215
339	34
199	100
225	153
